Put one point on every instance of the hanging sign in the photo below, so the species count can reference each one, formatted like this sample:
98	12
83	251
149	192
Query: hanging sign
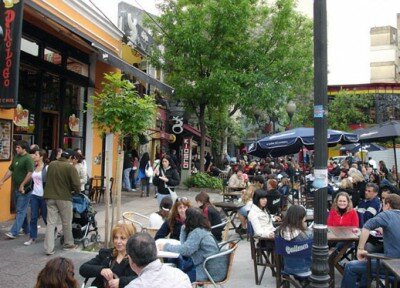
186	154
11	13
177	128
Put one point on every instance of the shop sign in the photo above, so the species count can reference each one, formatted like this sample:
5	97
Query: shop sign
177	128
186	154
10	45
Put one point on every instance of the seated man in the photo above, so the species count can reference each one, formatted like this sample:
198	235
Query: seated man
389	221
237	180
158	218
370	206
142	253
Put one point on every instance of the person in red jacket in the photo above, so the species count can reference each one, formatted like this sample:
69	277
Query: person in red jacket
342	212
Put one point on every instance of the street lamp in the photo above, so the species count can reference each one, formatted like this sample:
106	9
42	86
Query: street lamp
290	109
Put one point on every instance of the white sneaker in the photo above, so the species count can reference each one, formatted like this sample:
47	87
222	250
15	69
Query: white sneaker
10	235
29	242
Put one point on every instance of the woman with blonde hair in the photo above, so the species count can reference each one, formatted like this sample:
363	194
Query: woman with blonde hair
58	273
342	212
247	200
111	266
358	185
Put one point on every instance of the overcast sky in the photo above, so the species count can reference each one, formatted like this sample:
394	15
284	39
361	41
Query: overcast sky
349	23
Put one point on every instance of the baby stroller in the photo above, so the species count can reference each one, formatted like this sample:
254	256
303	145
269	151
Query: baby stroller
83	220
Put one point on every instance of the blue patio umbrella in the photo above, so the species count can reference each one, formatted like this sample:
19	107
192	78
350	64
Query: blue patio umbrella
292	141
356	147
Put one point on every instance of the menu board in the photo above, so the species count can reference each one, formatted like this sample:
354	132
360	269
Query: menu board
5	139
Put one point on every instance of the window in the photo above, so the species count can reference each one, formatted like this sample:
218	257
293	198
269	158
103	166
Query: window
29	46
52	56
77	67
73	107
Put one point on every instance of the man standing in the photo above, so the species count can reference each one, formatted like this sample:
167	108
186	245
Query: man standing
62	181
20	171
142	252
389	221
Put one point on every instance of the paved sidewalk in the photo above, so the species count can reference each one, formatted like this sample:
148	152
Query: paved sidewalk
20	265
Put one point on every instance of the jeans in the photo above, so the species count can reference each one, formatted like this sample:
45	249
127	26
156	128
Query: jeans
356	271
145	185
127	180
38	208
161	196
21	207
64	209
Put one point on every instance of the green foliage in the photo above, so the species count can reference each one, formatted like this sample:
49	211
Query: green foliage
119	109
203	180
349	108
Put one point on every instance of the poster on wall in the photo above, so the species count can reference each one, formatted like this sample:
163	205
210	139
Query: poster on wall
73	123
11	13
21	116
5	139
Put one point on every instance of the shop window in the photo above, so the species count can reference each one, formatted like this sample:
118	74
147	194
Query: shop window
73	111
77	67
29	46
51	92
52	56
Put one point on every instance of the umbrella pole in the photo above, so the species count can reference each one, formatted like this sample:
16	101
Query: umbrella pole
395	160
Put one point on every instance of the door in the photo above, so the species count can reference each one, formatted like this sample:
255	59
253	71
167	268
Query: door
50	128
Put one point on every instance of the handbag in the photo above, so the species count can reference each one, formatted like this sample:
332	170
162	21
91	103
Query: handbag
149	171
172	193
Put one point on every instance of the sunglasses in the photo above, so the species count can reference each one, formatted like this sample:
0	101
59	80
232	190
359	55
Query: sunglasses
182	199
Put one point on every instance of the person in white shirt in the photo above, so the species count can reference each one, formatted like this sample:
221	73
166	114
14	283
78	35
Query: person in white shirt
372	163
158	218
142	253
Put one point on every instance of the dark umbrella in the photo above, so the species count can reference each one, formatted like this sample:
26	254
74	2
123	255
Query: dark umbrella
383	132
356	147
292	141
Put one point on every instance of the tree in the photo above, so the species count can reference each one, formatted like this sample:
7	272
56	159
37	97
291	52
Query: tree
119	109
349	108
233	55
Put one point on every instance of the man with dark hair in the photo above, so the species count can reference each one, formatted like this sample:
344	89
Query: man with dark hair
259	182
142	252
389	221
62	181
20	171
370	206
158	218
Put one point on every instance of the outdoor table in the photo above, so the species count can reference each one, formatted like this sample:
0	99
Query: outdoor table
230	209
392	266
345	235
231	196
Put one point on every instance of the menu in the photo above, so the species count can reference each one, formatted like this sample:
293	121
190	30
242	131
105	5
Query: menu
5	139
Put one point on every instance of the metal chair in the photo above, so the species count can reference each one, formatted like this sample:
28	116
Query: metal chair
261	256
141	221
230	252
223	224
378	274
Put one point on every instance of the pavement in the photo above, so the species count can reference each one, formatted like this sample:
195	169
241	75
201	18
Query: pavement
20	265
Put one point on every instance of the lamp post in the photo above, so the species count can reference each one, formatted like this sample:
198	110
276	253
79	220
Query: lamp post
290	109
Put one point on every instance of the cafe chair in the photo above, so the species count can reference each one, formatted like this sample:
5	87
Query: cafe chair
221	226
261	256
228	250
376	275
292	256
134	218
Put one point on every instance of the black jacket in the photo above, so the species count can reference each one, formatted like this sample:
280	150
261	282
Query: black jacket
173	180
93	267
215	218
164	230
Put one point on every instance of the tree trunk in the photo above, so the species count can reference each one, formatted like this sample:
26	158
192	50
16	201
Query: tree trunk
118	177
203	132
107	199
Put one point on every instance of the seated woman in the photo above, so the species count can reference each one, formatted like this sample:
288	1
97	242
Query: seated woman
294	228
211	213
342	212
176	219
111	266
157	218
237	180
259	216
198	243
58	272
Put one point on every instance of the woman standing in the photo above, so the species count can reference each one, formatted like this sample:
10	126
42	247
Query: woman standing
166	177
38	204
342	212
144	180
210	212
172	226
198	243
111	266
77	162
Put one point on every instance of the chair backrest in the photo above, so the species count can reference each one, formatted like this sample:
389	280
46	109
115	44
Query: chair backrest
130	217
296	254
233	247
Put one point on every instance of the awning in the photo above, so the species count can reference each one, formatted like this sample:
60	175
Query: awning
161	135
194	131
110	58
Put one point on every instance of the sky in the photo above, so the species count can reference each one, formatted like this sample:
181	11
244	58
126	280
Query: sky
349	24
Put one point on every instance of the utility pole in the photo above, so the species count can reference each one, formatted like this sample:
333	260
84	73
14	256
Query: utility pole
320	269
